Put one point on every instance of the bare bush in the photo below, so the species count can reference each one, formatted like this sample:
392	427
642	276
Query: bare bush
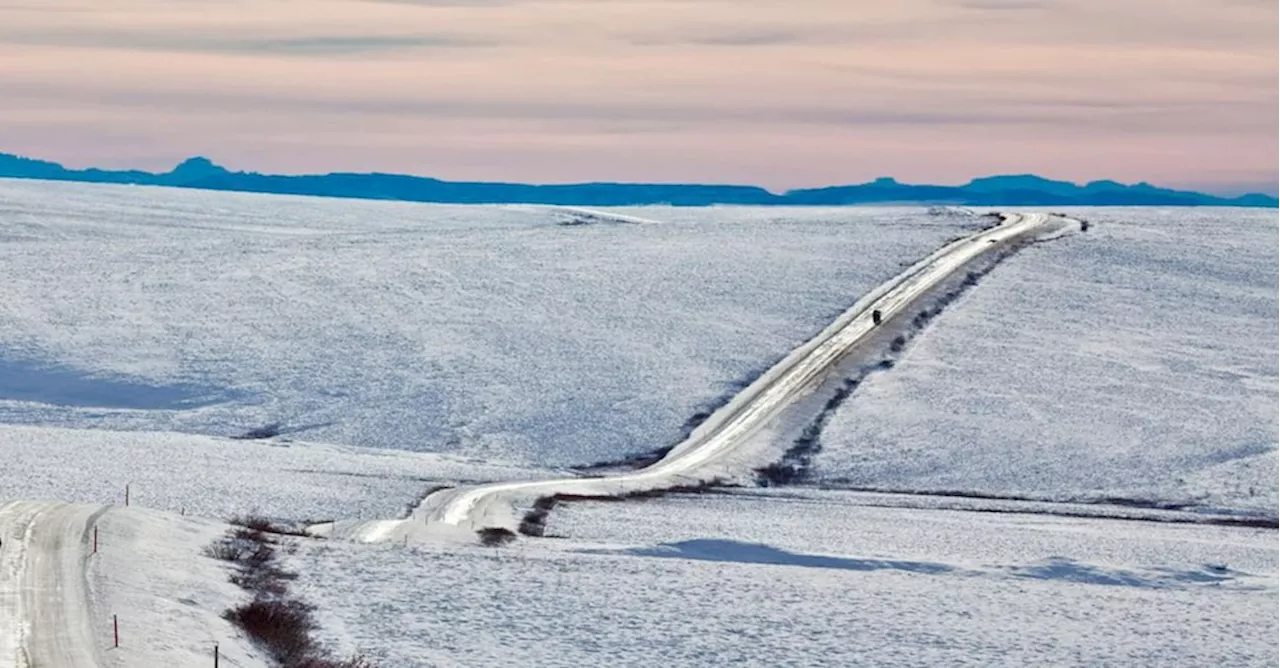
224	550
281	627
495	536
280	624
534	522
265	525
259	433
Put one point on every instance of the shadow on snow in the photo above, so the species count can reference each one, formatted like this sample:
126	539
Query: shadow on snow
1057	569
712	549
58	385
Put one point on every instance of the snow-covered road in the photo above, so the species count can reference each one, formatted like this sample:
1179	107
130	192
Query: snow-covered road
45	616
746	414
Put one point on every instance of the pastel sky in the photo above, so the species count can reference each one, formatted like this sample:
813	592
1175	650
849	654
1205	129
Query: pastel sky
773	92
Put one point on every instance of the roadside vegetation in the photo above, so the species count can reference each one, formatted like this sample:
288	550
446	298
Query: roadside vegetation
534	522
281	624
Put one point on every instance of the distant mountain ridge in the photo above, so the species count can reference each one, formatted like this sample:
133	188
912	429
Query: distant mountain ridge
1008	190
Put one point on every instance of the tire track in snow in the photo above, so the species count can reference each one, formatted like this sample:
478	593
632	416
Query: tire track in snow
45	617
734	424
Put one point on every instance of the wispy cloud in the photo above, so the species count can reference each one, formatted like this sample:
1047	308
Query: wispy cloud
836	85
314	45
1004	5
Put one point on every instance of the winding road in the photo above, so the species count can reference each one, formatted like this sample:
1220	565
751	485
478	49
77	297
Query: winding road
694	459
46	618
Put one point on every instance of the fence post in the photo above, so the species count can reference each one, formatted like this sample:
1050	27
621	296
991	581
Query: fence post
95	539
215	655
115	629
126	494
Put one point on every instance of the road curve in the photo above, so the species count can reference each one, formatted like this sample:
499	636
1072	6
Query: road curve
745	415
45	617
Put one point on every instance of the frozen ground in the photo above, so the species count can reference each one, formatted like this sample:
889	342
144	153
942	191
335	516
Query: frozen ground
693	581
220	477
496	332
79	576
744	434
1137	360
151	571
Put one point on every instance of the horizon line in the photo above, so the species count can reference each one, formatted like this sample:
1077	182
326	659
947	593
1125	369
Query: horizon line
885	179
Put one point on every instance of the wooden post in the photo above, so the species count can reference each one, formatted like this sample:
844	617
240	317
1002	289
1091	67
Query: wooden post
95	539
215	655
126	494
115	629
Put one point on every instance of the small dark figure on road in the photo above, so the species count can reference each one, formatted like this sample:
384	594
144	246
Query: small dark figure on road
875	317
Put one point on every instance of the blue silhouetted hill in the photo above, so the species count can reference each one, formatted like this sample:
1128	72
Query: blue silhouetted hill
1013	190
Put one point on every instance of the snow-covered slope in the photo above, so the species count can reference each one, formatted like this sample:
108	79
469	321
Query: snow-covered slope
221	477
720	580
488	331
80	578
1137	360
721	446
152	572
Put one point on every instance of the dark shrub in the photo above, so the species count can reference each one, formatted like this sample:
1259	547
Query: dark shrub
281	627
534	522
259	433
264	525
779	473
495	536
278	623
226	550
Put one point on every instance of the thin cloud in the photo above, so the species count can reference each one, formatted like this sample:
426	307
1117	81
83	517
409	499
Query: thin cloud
960	111
315	45
723	82
1005	5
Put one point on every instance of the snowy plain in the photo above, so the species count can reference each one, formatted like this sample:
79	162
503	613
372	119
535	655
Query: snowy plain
152	573
221	478
141	327
1136	361
729	580
495	332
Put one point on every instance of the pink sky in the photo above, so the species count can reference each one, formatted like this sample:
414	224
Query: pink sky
778	93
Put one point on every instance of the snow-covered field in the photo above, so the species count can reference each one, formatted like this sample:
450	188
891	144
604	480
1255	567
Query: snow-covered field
487	331
726	580
1137	360
221	478
141	327
735	440
152	573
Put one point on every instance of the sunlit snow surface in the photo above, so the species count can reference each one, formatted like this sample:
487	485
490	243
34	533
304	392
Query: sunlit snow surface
490	331
1137	360
220	477
726	580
